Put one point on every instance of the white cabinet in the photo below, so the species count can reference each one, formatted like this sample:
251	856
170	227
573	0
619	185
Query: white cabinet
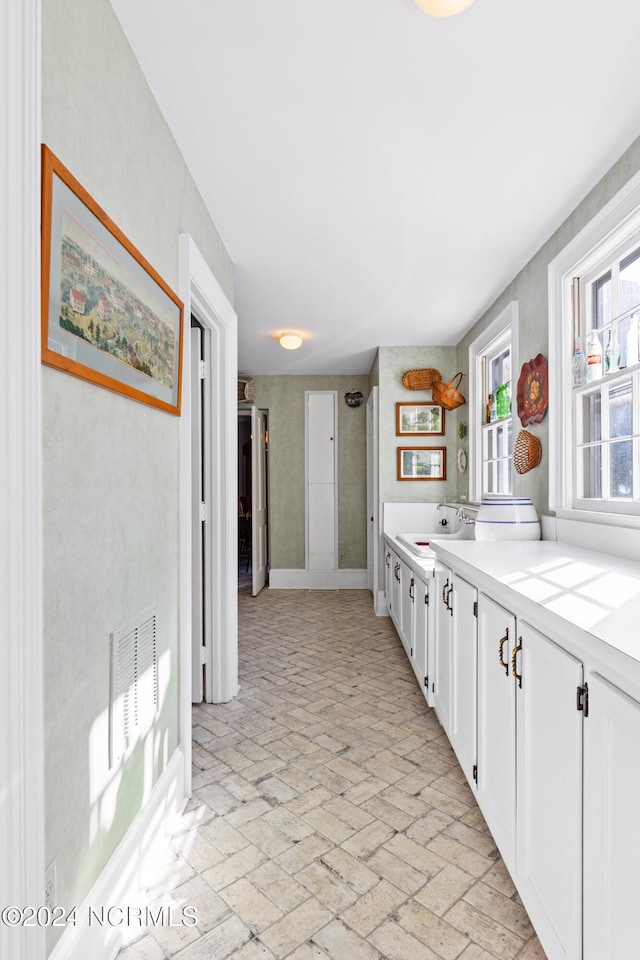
321	479
405	625
388	576
612	847
497	725
420	636
396	591
408	589
558	728
462	600
443	630
549	790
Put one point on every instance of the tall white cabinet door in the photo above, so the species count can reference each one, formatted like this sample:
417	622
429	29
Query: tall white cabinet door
442	628
611	848
321	473
388	576
420	632
549	790
406	606
464	653
497	725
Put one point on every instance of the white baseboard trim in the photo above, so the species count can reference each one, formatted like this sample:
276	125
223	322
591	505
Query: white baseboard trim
317	579
128	872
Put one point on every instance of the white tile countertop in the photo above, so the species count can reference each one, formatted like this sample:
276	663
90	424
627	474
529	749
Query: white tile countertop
588	597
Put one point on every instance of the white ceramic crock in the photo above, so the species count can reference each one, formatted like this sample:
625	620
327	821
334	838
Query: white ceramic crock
507	518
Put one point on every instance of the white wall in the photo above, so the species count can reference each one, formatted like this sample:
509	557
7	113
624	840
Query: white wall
110	464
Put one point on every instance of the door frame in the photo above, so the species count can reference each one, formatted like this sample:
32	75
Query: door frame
203	297
259	507
22	809
374	526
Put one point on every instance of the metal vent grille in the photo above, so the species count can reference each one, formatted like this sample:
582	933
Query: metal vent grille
134	682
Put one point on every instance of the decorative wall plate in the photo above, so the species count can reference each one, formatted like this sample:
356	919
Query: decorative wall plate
462	461
533	391
353	398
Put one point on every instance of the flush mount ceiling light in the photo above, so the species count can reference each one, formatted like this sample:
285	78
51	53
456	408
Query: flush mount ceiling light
443	8
290	341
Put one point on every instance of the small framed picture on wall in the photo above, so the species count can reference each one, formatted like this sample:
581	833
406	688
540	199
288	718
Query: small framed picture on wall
419	419
422	463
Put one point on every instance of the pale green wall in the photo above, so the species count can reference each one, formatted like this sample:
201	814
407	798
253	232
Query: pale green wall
392	363
110	464
530	289
283	397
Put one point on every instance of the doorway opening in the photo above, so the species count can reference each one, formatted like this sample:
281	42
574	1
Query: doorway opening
253	539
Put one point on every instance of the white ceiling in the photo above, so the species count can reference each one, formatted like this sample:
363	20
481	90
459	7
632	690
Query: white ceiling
378	175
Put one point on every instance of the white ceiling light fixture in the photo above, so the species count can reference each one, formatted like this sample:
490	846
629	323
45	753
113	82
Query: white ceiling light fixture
290	341
443	8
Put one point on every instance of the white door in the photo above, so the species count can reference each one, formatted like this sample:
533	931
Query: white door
373	536
197	518
258	500
463	675
611	834
497	725
321	479
549	791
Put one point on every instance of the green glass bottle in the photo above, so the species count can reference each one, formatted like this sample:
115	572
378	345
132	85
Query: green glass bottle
503	401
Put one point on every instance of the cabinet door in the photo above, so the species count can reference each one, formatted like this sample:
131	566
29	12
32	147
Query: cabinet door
442	626
611	834
420	633
406	606
497	725
388	577
464	661
396	592
549	790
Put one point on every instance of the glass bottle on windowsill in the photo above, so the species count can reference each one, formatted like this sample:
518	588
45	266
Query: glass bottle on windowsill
612	353
579	366
594	356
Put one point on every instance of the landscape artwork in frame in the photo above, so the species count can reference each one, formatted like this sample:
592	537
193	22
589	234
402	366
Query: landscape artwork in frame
107	316
419	419
422	463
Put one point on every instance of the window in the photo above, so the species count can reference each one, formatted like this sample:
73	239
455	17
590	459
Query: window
595	442
490	367
605	420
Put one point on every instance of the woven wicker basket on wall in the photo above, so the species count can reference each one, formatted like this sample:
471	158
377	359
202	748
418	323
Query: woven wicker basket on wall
527	452
447	395
422	379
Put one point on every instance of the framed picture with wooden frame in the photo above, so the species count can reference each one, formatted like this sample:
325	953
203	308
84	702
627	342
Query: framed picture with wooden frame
422	463
419	419
107	316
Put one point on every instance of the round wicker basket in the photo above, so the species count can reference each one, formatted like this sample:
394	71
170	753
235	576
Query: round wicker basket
527	453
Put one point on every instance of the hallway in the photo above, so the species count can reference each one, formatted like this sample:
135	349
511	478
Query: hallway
329	816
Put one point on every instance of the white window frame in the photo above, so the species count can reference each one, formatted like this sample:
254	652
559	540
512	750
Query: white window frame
614	226
504	326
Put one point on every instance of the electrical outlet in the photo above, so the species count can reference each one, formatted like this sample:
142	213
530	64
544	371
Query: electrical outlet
50	891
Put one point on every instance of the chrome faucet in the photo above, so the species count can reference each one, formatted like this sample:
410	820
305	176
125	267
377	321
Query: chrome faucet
463	516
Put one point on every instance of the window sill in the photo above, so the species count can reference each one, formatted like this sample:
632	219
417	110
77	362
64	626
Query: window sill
628	520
